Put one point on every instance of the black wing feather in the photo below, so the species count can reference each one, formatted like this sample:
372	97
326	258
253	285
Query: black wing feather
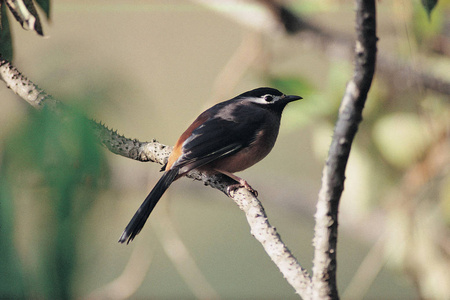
216	138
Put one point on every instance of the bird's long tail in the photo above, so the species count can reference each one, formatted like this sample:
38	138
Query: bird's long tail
141	215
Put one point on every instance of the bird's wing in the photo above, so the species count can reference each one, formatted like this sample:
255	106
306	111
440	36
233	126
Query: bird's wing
217	138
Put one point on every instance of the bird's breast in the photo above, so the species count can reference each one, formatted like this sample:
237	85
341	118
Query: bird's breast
250	155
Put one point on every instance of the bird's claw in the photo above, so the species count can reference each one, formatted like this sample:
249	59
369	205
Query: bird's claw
231	189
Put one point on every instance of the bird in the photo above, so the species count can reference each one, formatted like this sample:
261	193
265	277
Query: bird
229	137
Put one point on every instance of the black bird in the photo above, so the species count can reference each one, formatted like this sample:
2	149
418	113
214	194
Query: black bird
229	137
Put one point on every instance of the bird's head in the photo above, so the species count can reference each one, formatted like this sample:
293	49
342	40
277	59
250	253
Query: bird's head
270	97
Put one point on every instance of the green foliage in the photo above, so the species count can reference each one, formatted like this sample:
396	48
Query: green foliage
401	138
6	49
429	6
45	5
25	13
11	272
317	105
425	30
64	168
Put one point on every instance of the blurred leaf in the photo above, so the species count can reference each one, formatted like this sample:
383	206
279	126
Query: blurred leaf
295	86
312	105
291	85
6	49
445	198
321	140
316	104
59	162
425	30
401	138
339	74
45	5
25	13
429	6
11	272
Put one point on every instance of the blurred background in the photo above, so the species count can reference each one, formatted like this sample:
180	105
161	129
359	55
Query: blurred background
147	69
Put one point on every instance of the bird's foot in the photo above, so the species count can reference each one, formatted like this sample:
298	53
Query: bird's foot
231	189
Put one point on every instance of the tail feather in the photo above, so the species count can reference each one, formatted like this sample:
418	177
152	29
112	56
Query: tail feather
141	215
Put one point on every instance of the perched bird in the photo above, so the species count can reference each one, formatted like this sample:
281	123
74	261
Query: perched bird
229	137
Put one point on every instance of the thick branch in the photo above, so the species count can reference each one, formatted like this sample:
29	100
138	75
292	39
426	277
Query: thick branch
156	152
131	148
267	235
350	115
24	88
118	144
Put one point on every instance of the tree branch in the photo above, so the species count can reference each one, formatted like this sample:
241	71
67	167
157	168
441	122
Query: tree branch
267	235
323	284
116	143
156	152
389	67
330	42
350	115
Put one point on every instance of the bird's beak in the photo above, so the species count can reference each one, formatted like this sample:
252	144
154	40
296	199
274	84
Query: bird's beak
290	98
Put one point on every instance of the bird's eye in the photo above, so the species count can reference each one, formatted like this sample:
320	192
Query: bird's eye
268	98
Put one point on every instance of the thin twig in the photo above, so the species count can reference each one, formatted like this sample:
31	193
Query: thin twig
239	63
124	286
183	261
367	271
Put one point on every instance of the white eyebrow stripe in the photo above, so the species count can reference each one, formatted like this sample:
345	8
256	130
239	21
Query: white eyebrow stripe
261	100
